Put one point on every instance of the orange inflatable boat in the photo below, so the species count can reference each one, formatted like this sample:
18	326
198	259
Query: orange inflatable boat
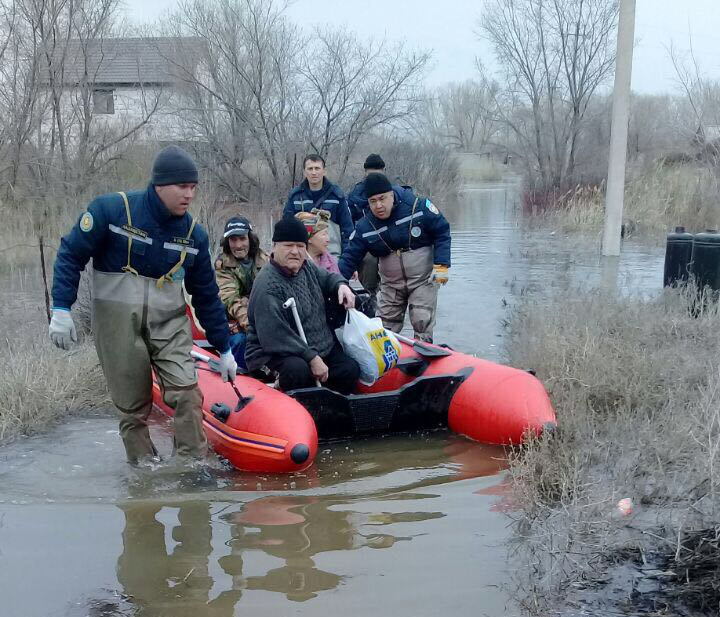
262	429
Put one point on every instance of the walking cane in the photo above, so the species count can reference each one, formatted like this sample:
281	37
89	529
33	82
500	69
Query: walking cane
290	303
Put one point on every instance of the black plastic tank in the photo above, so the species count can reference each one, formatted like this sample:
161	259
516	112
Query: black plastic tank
705	260
678	253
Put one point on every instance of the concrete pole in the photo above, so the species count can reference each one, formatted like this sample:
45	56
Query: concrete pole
619	130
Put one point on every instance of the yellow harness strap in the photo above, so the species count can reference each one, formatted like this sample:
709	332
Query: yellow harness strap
178	265
128	267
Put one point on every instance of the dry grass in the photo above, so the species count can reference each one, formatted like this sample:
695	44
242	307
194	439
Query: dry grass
636	388
656	200
40	384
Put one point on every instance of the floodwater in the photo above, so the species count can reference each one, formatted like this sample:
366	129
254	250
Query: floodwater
411	525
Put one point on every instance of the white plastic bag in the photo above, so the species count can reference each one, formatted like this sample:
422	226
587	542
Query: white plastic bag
367	342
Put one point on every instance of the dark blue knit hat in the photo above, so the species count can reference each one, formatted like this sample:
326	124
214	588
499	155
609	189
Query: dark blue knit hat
290	229
374	161
173	165
376	183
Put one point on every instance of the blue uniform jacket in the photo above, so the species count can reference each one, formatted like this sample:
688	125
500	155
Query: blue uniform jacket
403	230
358	201
99	234
331	199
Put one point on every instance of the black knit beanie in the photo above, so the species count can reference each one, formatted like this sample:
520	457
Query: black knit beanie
374	161
290	229
376	183
173	165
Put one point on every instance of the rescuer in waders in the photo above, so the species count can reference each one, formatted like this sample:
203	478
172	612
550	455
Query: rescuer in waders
144	245
412	242
317	192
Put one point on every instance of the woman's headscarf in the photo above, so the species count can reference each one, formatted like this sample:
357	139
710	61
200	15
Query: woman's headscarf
315	221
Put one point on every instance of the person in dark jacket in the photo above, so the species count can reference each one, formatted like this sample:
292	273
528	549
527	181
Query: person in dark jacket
357	199
317	192
358	204
144	246
412	243
273	338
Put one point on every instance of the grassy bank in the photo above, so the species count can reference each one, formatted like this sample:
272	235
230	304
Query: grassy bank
636	387
40	384
656	200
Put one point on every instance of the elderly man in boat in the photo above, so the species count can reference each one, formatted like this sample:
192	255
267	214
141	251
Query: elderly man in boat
412	242
144	245
309	351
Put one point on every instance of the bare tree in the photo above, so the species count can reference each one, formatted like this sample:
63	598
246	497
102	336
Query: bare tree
555	54
350	88
20	102
463	115
238	84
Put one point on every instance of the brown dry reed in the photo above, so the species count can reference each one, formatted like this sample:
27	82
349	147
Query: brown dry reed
656	201
40	384
636	387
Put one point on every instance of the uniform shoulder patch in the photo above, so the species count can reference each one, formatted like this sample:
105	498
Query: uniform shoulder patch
86	222
431	206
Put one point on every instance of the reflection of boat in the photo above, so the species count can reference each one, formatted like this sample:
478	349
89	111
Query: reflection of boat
431	387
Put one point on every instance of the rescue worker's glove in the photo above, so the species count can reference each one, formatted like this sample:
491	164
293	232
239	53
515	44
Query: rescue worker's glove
227	366
440	274
62	329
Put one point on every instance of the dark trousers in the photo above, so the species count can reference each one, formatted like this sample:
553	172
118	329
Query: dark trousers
295	373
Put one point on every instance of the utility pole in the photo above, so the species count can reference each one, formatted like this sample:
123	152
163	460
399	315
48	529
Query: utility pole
619	130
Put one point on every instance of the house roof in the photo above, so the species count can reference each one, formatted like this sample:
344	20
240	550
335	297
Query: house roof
124	61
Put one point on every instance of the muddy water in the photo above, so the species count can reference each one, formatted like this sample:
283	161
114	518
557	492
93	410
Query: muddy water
405	525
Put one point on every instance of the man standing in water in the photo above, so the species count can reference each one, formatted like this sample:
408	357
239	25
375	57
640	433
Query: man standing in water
144	244
413	245
359	207
317	192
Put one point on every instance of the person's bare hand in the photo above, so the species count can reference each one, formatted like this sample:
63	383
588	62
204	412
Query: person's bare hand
319	369
346	297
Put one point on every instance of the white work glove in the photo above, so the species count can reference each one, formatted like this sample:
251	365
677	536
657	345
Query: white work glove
62	329
228	366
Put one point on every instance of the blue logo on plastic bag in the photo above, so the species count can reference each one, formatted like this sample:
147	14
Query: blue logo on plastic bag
390	355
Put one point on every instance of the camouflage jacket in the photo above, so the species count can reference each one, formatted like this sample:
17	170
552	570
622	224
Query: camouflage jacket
235	283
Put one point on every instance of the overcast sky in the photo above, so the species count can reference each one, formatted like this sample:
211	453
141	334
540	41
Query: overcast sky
448	27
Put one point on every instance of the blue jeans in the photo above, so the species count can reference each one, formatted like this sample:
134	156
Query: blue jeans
237	345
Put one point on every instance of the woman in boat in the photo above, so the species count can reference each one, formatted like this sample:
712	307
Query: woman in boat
235	270
316	223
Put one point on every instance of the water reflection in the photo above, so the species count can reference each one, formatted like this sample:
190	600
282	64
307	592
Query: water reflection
170	569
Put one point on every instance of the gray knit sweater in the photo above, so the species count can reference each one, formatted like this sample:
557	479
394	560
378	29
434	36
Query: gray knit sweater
272	328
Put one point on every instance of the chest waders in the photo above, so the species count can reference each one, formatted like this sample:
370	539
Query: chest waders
405	286
140	325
